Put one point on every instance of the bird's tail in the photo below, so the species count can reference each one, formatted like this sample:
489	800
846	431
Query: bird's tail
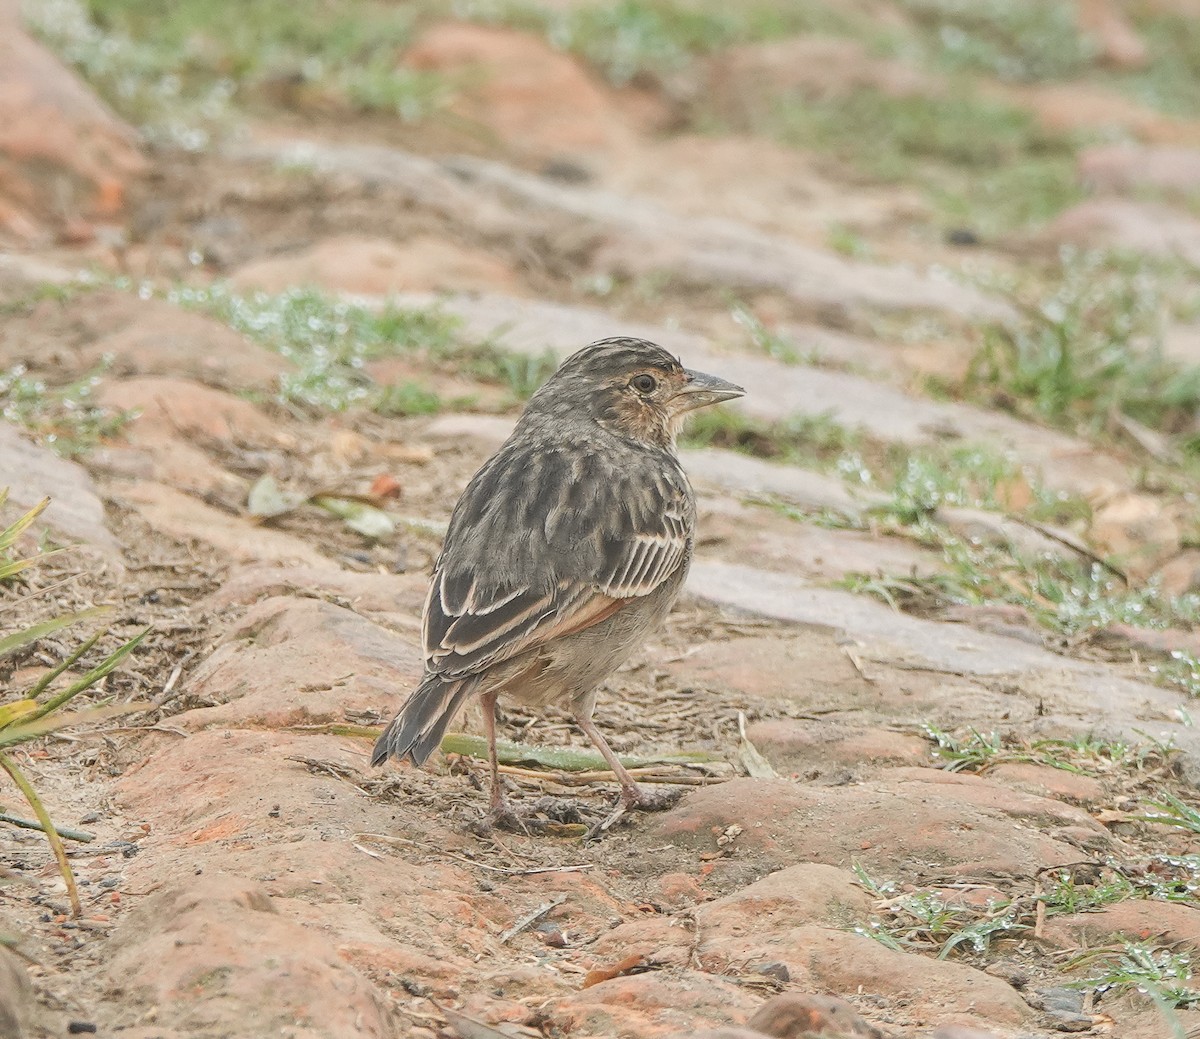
416	732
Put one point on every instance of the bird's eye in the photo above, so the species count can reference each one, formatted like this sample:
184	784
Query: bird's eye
644	383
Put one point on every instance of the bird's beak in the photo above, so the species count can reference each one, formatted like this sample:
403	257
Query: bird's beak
701	390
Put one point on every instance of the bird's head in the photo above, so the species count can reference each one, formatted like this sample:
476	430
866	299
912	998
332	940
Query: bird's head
632	388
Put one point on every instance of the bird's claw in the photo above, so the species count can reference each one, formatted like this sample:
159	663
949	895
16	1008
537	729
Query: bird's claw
503	816
639	798
646	800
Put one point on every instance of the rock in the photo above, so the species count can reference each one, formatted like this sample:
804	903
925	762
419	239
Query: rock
170	407
301	662
64	156
1116	40
214	945
797	1015
376	267
1144	227
1128	168
32	472
532	98
965	830
16	997
182	518
165	340
1047	781
1168	923
803	747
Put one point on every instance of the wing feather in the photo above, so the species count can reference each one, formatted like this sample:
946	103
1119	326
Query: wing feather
545	543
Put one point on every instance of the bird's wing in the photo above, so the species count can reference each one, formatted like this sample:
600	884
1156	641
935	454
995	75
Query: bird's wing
544	544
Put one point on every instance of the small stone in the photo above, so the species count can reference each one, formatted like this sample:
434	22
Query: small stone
796	1015
776	970
550	934
81	1028
1061	1000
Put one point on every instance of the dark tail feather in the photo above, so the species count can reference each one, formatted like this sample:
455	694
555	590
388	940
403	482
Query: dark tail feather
417	731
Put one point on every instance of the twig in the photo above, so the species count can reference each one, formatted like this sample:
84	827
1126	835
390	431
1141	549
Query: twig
645	775
384	838
32	824
857	665
529	919
1074	544
147	728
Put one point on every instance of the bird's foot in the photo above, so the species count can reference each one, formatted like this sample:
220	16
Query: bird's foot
647	799
636	797
502	816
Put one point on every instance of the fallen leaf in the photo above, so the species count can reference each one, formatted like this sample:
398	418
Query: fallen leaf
625	966
267	500
750	757
385	485
366	519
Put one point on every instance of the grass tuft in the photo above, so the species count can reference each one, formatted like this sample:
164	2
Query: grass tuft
1089	350
31	713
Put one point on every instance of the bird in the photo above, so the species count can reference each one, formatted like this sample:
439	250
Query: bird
565	550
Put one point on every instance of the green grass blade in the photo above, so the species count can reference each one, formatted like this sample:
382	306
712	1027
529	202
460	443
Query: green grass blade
100	671
16	710
9	535
24	731
20	639
43	683
43	817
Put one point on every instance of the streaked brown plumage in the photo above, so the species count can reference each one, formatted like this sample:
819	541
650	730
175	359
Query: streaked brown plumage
566	549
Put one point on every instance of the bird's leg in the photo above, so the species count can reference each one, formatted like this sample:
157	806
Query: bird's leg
632	795
501	813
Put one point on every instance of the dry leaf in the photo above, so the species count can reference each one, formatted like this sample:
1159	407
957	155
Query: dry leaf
625	966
